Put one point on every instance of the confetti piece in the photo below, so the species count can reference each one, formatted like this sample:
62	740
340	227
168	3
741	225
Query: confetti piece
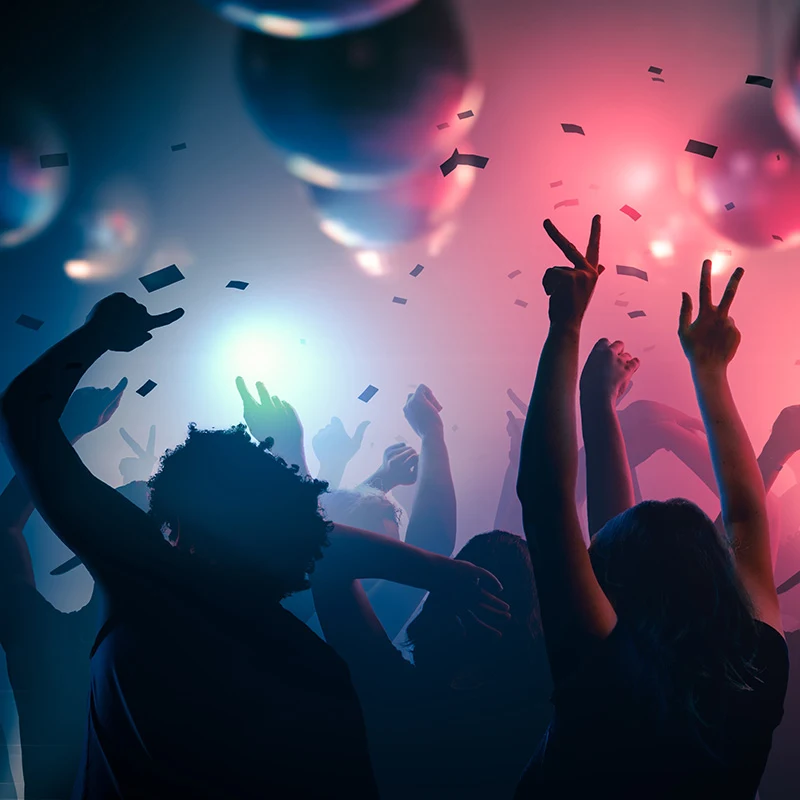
462	159
67	566
237	285
658	80
634	314
648	349
631	272
631	212
161	278
442	125
701	148
556	184
176	147
29	322
622	303
368	394
146	388
465	114
54	160
562	203
514	274
568	127
520	303
455	428
759	80
729	206
656	70
776	238
401	301
416	271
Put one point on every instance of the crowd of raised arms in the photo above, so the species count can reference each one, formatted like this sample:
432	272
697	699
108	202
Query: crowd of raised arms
256	632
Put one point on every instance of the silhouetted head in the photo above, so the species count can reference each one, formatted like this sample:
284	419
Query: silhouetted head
365	508
671	578
444	641
232	503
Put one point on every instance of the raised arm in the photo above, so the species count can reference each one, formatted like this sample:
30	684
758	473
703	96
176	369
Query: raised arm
509	511
432	523
605	378
334	449
80	509
575	611
710	343
348	621
399	467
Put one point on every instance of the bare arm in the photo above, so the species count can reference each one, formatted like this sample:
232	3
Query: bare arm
605	377
710	342
575	611
509	511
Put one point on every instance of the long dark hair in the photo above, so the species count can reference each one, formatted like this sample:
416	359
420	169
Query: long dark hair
437	632
671	578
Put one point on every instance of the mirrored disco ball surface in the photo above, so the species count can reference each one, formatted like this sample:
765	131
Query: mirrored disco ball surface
307	19
787	89
30	197
362	103
756	169
395	214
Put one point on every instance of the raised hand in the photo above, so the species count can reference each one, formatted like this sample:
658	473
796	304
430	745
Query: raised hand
570	288
422	412
89	408
711	341
608	371
515	425
785	436
332	445
399	466
139	468
272	417
121	324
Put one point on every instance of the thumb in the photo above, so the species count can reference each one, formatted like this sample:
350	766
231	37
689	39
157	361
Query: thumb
358	436
685	319
120	387
160	320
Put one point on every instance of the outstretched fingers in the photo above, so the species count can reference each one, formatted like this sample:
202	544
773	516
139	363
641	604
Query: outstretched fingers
160	320
593	249
705	286
131	443
685	318
521	405
565	246
730	291
244	393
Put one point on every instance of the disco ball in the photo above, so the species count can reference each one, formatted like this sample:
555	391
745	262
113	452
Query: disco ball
787	88
756	169
30	196
307	19
399	213
364	103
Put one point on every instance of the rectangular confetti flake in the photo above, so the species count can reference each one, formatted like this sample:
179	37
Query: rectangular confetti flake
634	314
514	274
54	160
701	148
465	114
568	127
176	147
146	388
622	303
657	80
520	303
759	80
564	203
442	125
556	184
655	70
416	271
729	206
631	272
237	285
776	237
401	301
161	278
29	322
368	394
631	212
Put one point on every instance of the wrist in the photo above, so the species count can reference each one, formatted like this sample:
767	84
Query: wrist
596	401
566	328
380	480
433	436
774	454
709	373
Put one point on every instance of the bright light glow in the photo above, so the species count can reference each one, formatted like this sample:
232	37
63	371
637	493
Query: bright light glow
78	269
662	248
370	261
720	261
640	179
441	237
318	174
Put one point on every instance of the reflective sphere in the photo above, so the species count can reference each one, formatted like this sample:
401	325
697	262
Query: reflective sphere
399	213
756	168
365	103
307	19
787	88
30	196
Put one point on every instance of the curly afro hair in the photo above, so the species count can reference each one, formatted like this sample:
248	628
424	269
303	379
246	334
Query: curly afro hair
219	491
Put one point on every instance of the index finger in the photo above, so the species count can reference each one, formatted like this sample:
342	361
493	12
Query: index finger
244	393
593	250
131	443
705	285
730	291
517	401
566	246
160	320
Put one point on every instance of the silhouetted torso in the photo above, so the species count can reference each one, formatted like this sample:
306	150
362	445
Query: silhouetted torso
613	735
189	702
47	652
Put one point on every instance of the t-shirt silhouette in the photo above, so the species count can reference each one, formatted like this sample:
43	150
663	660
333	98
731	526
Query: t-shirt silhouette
615	735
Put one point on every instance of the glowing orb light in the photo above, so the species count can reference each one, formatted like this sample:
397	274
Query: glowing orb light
30	197
365	103
307	19
756	168
662	248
